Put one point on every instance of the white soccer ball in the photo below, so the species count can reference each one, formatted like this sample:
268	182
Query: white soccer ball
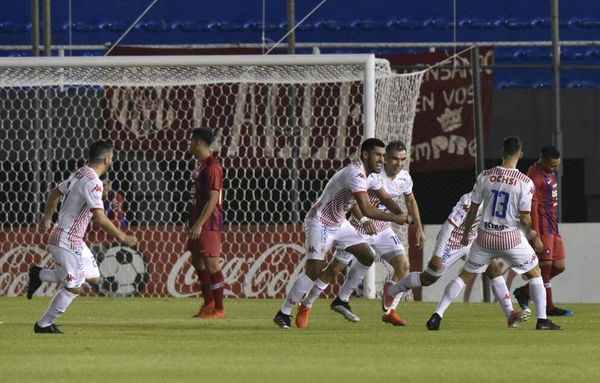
124	272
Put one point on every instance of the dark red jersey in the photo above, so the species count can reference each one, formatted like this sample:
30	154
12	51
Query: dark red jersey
207	176
544	206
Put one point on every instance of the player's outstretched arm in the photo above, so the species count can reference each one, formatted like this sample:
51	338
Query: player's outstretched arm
51	204
372	212
413	210
531	235
101	218
469	221
388	201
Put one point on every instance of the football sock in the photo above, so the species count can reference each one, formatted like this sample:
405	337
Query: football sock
453	288
502	295
301	285
314	294
410	281
48	275
217	286
205	286
61	300
355	276
538	295
546	276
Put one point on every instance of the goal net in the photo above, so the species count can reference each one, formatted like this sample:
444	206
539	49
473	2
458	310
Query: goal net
284	125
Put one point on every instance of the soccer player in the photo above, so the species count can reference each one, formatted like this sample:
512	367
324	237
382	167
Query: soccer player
544	214
504	231
206	224
81	196
397	183
326	224
448	250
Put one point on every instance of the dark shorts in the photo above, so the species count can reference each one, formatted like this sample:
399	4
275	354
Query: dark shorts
553	248
208	245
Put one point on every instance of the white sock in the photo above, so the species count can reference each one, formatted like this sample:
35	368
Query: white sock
410	281
396	301
355	275
314	294
61	300
301	285
48	275
502	295
538	296
453	288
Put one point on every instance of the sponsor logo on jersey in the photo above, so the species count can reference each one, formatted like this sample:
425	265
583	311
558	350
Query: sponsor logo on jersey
503	179
493	226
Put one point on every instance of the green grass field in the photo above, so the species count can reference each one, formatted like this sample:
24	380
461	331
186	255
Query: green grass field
157	340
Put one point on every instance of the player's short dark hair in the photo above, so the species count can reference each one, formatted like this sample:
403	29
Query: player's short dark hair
371	143
204	135
549	153
511	146
99	149
395	146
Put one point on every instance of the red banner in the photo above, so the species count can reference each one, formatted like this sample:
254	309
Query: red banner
444	131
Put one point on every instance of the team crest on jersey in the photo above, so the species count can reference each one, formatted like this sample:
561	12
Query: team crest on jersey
311	250
69	278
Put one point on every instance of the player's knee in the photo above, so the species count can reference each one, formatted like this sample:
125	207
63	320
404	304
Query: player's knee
428	279
534	273
94	281
493	270
74	290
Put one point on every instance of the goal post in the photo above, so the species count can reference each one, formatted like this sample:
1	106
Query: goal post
284	124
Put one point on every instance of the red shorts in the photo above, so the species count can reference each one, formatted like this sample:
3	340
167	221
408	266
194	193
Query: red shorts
208	245
553	248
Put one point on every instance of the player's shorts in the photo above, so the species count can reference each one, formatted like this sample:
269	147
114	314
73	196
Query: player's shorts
90	266
320	238
554	250
521	258
386	244
207	245
449	257
69	266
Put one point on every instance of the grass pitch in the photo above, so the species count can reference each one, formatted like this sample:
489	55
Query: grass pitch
157	340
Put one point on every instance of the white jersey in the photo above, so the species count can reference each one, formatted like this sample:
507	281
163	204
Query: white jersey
504	193
401	185
457	219
82	193
338	196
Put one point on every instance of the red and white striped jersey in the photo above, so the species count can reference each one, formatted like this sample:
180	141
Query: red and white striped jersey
396	187
82	193
504	194
338	196
457	218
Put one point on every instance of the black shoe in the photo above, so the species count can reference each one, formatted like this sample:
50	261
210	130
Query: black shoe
52	329
434	322
34	281
341	307
546	324
523	301
282	320
558	312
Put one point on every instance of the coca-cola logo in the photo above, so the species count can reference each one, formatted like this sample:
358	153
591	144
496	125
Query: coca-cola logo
14	267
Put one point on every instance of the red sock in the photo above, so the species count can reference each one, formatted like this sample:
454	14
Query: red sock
205	283
546	275
556	271
218	285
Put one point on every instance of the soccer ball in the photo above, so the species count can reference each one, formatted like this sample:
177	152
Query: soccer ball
124	272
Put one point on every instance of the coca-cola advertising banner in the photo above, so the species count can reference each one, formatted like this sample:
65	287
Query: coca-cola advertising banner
258	262
444	130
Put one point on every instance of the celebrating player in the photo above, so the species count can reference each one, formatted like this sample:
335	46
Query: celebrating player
81	196
504	231
396	182
206	224
449	249
544	214
326	225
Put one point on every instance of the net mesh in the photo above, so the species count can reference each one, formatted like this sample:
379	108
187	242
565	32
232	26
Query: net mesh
282	131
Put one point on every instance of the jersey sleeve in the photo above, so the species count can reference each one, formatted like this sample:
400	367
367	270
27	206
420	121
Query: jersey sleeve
477	195
526	196
374	182
214	177
93	194
459	212
356	180
63	187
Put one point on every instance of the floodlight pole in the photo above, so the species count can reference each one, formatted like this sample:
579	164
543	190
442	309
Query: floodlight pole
557	136
47	28
35	28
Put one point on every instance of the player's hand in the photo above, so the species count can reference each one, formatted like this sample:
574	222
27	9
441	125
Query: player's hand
420	238
369	227
402	219
129	240
537	244
45	224
195	232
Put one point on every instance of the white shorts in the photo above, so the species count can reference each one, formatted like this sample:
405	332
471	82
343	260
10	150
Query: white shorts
320	238
449	257
521	258
90	266
386	245
69	266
